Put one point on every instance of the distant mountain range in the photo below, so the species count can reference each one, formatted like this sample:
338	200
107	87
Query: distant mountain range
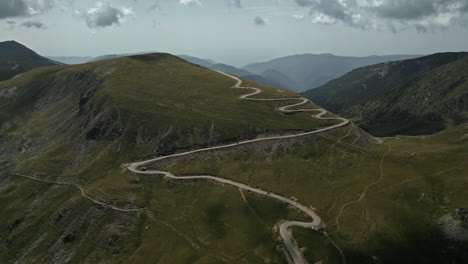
114	56
70	60
16	58
232	70
417	96
202	62
308	71
297	73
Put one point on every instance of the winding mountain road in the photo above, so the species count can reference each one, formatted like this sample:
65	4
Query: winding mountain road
316	222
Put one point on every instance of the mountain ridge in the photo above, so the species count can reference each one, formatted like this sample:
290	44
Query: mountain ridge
68	133
67	130
400	97
17	58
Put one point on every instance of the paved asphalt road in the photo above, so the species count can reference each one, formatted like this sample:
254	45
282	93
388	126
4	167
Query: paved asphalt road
285	235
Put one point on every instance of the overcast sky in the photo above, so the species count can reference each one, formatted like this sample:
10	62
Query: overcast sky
236	31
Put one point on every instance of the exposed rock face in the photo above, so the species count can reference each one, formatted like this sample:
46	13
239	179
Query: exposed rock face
462	214
8	92
453	228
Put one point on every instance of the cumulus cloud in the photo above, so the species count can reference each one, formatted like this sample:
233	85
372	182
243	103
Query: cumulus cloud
24	8
190	2
393	14
106	15
33	24
258	21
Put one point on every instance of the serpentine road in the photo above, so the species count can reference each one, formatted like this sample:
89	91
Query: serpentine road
316	222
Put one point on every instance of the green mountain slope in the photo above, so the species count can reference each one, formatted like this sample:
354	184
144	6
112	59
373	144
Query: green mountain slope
391	202
419	96
16	58
65	131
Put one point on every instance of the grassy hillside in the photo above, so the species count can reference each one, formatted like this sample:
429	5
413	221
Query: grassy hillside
65	132
72	127
16	58
393	202
419	96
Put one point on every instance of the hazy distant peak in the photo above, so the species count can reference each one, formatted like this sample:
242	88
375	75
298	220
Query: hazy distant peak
202	62
309	71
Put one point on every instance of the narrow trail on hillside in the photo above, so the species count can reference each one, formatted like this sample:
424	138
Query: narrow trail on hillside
84	194
316	223
363	194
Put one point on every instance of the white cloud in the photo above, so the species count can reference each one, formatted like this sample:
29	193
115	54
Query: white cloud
394	14
190	2
298	16
106	15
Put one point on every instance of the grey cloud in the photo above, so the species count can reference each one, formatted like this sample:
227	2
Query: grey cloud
417	9
405	10
10	24
333	8
32	24
154	7
24	8
235	3
422	14
106	15
333	11
13	9
258	21
420	29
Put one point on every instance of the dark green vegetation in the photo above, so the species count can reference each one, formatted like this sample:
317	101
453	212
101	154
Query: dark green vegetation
79	124
382	203
307	71
72	127
16	58
411	97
